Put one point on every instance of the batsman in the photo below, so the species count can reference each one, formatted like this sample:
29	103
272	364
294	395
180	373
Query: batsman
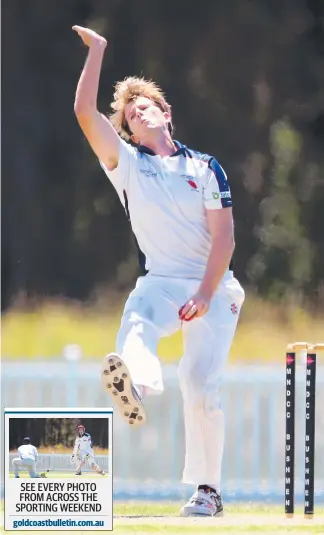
83	452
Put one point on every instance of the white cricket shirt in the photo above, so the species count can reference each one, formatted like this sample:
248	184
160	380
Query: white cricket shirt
165	199
27	451
83	444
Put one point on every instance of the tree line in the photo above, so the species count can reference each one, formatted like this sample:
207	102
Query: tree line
245	81
54	432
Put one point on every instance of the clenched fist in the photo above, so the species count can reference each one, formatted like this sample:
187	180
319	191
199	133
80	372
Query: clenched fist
89	37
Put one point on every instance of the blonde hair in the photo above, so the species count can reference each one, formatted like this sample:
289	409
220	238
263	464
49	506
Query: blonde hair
128	90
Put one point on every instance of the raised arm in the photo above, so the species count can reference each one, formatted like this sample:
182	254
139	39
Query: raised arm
98	130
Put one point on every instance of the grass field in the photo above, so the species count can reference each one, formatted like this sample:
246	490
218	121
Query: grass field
61	449
60	475
44	330
150	518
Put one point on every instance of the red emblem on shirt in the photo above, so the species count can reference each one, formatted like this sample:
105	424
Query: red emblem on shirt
192	184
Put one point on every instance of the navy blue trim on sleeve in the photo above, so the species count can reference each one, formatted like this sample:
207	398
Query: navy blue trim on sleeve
225	192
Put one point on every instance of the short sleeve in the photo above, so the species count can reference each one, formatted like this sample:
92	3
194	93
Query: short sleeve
217	193
120	175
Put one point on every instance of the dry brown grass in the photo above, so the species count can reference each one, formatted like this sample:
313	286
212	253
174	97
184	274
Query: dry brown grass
262	335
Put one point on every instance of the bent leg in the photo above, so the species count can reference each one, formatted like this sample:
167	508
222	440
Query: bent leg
137	343
94	466
151	312
31	467
16	463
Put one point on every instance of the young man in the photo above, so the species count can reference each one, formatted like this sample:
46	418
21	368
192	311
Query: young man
179	205
83	452
26	460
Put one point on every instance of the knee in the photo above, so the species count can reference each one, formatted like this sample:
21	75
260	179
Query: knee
192	379
135	332
198	389
212	404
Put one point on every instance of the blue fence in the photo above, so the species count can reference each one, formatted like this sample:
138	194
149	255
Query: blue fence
148	461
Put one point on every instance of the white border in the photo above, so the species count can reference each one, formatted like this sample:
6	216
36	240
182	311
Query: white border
57	412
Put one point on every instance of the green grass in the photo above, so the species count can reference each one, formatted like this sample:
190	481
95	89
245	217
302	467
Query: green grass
218	530
263	332
61	449
144	509
241	519
172	509
244	519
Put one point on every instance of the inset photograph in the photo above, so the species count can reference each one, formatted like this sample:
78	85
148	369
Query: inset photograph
58	447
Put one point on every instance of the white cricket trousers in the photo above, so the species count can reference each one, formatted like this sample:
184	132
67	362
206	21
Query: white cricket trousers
151	312
82	459
24	464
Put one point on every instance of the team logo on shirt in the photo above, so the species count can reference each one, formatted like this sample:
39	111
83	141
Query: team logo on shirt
234	308
191	181
222	195
148	172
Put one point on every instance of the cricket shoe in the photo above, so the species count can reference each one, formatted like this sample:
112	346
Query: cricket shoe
203	503
116	380
78	473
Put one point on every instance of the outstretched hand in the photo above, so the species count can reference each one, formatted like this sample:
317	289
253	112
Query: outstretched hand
89	36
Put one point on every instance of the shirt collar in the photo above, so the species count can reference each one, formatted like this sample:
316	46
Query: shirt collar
181	149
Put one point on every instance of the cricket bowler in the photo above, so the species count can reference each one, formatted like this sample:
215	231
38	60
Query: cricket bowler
179	205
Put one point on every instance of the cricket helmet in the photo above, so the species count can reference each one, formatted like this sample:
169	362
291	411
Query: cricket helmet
80	430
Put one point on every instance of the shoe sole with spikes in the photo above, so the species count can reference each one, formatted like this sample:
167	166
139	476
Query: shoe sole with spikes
116	380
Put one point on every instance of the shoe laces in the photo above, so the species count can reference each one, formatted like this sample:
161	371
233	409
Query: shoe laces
216	498
201	497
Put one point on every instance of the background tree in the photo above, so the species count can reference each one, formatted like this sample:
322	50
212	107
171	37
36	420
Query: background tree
245	80
56	432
